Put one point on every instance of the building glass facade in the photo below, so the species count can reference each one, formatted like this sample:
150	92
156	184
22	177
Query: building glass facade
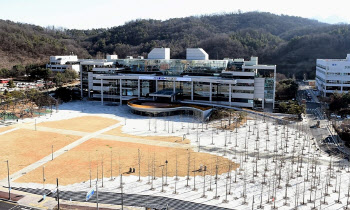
174	67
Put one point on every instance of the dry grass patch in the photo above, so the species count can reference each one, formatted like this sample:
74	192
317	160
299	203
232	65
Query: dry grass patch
23	147
85	124
118	132
73	166
2	129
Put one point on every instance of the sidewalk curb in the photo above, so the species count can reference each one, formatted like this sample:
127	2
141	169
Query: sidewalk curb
2	199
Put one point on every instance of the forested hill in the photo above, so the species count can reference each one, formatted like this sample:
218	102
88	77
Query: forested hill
228	35
30	44
292	43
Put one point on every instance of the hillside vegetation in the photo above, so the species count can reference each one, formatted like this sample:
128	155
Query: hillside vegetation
30	44
292	43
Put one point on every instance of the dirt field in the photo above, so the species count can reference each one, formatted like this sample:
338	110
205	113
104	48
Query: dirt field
85	124
73	166
118	132
23	147
2	129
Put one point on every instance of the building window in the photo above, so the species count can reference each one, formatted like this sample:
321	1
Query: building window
333	88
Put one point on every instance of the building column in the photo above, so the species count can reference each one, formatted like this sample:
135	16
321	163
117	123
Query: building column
156	85
81	81
263	104
210	91
138	89
274	89
174	90
120	92
88	85
101	91
230	93
191	90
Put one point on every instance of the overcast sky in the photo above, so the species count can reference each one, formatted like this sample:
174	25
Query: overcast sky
86	14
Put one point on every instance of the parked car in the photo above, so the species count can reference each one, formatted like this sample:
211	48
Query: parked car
328	140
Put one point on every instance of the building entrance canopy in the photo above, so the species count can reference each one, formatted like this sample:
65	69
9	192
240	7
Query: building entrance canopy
173	79
167	93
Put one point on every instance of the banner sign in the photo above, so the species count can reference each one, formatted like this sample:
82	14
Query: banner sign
183	79
89	194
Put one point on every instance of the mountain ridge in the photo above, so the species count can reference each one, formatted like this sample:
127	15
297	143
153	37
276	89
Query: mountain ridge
292	43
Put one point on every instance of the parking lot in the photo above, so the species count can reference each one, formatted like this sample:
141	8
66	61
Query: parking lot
19	85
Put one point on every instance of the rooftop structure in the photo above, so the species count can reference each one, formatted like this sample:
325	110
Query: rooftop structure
159	53
196	54
112	57
63	59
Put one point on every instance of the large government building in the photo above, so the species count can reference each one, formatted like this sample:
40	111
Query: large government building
196	79
333	75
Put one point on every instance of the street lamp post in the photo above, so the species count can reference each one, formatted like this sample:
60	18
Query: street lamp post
111	166
166	172
204	170
216	182
199	144
212	136
8	178
58	195
131	170
90	172
102	172
44	178
162	177
121	189
97	188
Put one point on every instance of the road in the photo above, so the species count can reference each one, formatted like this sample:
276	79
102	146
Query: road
4	205
314	113
313	106
129	199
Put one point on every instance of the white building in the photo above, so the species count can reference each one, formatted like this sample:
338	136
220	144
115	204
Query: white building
61	63
333	75
231	82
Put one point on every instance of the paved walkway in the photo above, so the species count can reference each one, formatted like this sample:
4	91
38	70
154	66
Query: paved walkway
262	114
8	131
